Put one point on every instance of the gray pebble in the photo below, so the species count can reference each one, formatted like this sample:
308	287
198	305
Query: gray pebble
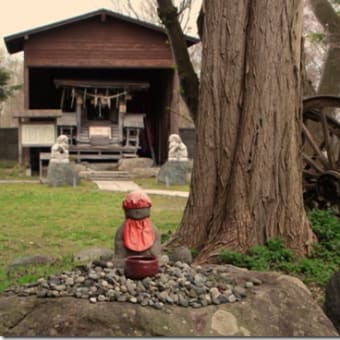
232	298
182	301
222	299
158	305
122	298
145	302
111	294
101	298
214	292
80	279
227	292
164	260
216	300
140	287
133	299
93	300
164	278
54	293
255	281
93	276
93	289
163	296
103	283
239	291
69	281
146	282
60	287
42	293
249	284
199	279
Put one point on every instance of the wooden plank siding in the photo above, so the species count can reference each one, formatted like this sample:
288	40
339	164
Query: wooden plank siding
92	43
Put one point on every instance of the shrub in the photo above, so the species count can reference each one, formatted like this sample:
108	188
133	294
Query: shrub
273	255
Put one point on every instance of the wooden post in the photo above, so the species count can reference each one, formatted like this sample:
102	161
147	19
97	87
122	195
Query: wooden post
79	103
122	111
20	141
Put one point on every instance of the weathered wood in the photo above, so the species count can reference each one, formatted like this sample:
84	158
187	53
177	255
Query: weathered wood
93	44
134	120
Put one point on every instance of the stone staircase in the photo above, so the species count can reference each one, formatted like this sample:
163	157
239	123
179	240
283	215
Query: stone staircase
105	175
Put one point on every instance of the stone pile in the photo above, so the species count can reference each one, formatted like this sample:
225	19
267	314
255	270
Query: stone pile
176	284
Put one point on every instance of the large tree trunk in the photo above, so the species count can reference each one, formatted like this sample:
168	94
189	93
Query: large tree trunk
246	183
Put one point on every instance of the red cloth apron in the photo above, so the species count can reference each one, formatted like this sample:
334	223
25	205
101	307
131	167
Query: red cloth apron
138	235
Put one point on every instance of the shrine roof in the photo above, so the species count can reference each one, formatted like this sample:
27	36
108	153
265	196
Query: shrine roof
15	42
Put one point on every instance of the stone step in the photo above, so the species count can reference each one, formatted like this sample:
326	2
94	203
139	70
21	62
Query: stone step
105	175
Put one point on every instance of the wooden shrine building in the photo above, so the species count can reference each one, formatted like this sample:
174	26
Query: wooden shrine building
105	80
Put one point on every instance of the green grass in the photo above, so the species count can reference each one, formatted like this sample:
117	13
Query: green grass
23	275
11	170
36	219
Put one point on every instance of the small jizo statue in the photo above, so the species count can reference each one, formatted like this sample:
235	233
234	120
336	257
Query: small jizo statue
137	235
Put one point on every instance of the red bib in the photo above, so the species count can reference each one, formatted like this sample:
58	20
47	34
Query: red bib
138	235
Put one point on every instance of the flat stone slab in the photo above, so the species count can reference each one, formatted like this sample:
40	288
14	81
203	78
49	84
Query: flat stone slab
167	192
123	186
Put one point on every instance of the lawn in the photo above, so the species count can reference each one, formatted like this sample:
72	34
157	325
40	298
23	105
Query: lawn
36	219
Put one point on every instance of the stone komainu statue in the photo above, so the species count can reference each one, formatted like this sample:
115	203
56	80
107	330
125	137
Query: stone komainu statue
177	149
60	149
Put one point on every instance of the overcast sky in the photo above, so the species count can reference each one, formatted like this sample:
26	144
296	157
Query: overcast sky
20	15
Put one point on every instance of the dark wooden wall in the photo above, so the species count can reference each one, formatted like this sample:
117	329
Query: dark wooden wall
9	144
93	43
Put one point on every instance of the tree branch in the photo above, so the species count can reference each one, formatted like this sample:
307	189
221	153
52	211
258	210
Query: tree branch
188	79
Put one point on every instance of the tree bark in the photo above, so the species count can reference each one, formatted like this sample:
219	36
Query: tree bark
330	79
188	79
246	185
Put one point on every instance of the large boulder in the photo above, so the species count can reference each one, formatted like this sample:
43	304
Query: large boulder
332	300
280	306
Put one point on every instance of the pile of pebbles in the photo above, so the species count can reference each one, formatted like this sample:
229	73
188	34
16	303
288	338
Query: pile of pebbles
176	284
